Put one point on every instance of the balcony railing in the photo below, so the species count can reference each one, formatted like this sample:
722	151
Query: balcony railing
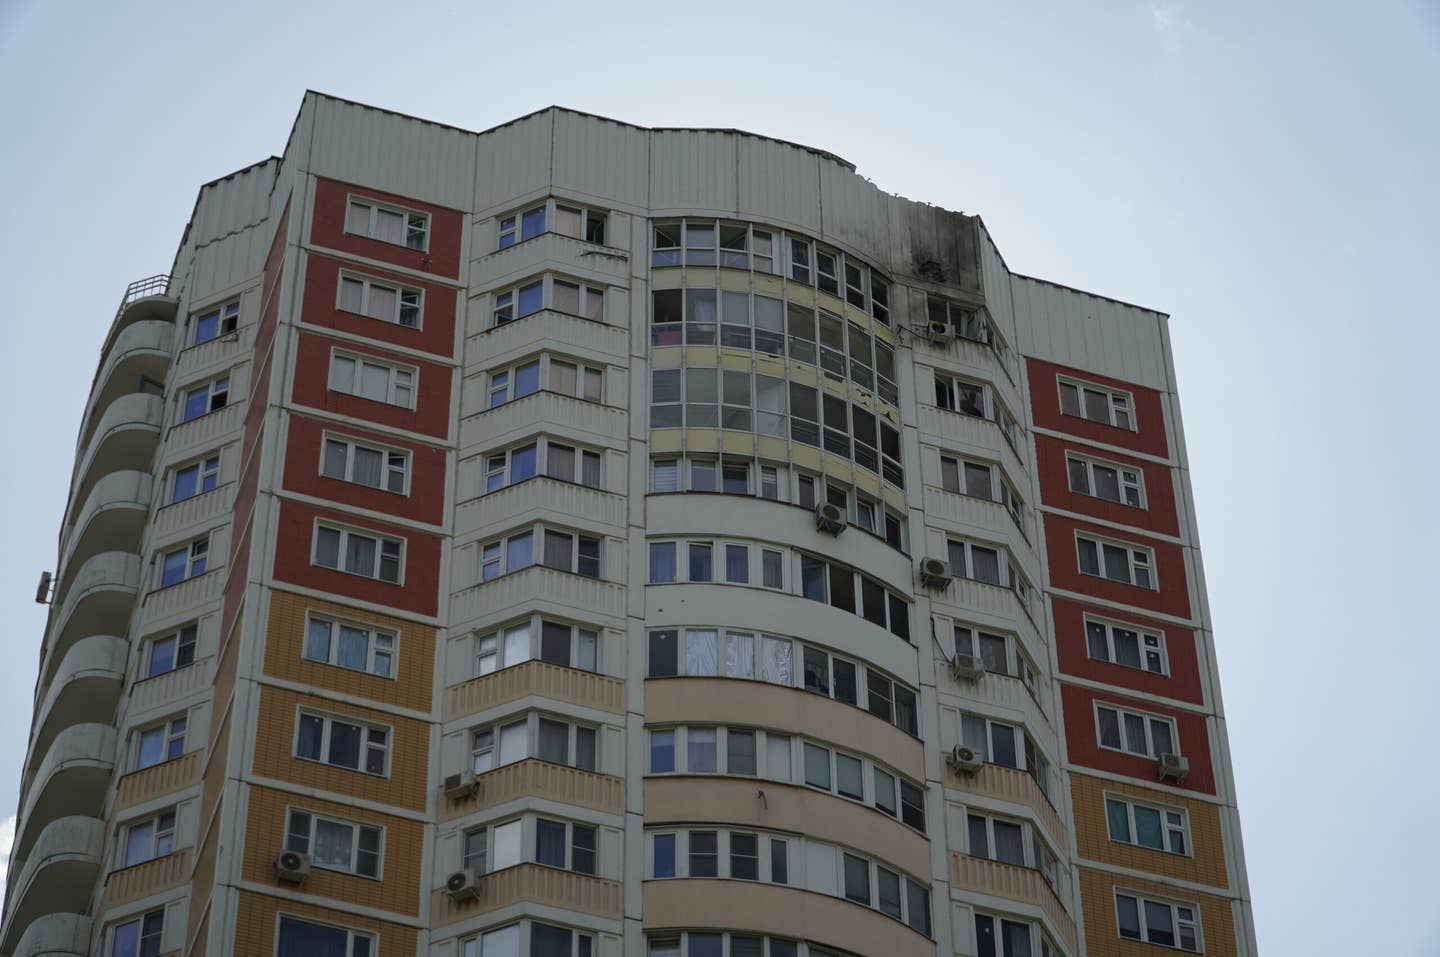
143	288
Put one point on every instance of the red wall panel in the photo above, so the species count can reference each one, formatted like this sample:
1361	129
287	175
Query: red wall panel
1045	399
328	229
1183	681
1158	515
421	561
1082	739
437	321
431	415
425	503
1173	598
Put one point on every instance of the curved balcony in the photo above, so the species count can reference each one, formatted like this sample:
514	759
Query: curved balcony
55	935
86	690
58	875
124	438
141	351
71	781
98	602
112	519
147	298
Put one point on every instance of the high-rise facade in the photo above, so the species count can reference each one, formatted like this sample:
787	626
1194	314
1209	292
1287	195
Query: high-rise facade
581	539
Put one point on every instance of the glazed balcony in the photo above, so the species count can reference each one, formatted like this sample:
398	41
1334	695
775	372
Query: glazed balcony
98	602
112	519
535	778
58	875
86	690
55	935
71	781
535	884
537	679
539	586
124	439
1010	882
136	362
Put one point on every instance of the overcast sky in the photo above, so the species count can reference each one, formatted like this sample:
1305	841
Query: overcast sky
1266	173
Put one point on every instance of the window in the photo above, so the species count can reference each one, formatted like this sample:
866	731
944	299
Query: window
502	942
366	555
1134	732
346	645
148	839
160	743
205	398
1097	403
977	479
514	383
981	563
577	554
1158	922
564	218
566	845
492	848
139	937
184	563
1000	743
302	938
373	380
1000	654
570	646
194	479
534	736
380	300
350	461
335	845
577	299
1116	561
1112	482
388	224
573	298
958	395
342	744
527	225
1001	937
565	463
169	652
559	376
217	322
1146	825
1125	645
996	839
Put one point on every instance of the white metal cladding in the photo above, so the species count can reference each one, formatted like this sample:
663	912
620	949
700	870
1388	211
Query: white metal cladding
233	202
995	283
779	182
513	162
600	158
693	171
393	153
1090	332
855	213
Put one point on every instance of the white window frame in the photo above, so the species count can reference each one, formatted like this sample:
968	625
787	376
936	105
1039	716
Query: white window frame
1091	463
505	302
355	827
206	469
1018	663
1147	717
227	320
186	636
407	298
328	721
531	723
351	935
414	221
1003	561
1119	404
216	390
1141	899
495	651
1138	559
1168	828
500	382
388	469
346	533
399	391
952	383
161	839
380	644
174	729
197	562
140	920
510	224
1148	640
499	464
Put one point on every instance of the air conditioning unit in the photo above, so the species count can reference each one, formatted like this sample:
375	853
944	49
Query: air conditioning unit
460	785
964	759
935	573
830	518
938	333
1172	766
967	668
292	866
463	885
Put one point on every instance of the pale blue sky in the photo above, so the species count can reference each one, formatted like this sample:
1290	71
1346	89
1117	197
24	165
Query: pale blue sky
1266	173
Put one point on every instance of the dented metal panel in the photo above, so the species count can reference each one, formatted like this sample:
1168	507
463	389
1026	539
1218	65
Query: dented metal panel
779	182
692	170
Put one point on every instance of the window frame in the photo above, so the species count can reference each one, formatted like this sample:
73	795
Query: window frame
1141	900
1138	559
549	209
393	373
1168	828
215	388
375	206
159	846
143	932
357	828
585	373
186	636
375	648
227	321
407	297
347	532
207	478
387	453
351	935
534	625
531	721
171	736
366	744
1147	717
1118	402
195	555
1144	646
507	301
1090	463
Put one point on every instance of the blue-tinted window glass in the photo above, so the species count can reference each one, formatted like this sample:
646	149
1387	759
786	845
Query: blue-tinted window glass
344	745
532	223
532	299
664	855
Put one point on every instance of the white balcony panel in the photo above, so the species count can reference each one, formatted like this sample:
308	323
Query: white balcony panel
192	514
160	693
72	780
541	497
525	590
55	935
957	432
85	689
548	251
586	422
112	518
189	437
546	330
142	349
193	594
58	874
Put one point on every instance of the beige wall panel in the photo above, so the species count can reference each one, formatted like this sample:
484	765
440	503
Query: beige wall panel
1078	329
258	917
1102	935
1092	834
692	170
783	911
780	183
764	705
601	158
397	154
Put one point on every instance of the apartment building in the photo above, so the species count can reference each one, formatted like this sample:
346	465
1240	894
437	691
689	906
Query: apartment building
578	539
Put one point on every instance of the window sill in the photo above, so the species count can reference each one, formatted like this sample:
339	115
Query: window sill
163	674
